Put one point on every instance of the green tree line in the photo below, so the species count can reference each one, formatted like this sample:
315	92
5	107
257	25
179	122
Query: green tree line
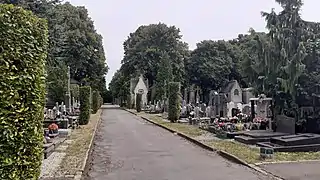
282	63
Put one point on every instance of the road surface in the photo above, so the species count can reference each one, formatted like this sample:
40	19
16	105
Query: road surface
128	148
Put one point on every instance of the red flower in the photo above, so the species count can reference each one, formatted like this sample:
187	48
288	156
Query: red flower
53	126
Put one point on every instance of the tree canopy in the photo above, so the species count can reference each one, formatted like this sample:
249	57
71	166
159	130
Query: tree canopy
73	41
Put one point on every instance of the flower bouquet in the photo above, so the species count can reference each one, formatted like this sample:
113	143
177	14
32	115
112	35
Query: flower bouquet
53	128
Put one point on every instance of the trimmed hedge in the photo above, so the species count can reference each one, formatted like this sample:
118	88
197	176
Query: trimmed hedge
84	105
96	101
23	51
138	102
90	100
174	101
100	100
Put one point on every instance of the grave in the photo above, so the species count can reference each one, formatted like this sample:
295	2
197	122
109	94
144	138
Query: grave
285	124
294	143
50	147
254	136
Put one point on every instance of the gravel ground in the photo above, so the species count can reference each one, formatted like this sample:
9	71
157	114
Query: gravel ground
127	148
206	137
50	165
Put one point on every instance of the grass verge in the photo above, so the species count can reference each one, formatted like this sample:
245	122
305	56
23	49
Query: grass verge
247	153
80	141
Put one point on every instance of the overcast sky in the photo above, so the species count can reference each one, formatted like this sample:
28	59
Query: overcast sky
197	19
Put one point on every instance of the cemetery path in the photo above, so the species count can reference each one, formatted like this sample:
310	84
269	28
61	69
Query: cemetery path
128	148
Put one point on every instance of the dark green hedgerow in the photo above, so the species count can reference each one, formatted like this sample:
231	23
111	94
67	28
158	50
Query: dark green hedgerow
138	102
23	50
174	101
96	101
84	105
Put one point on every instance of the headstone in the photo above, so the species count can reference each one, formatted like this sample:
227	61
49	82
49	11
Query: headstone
197	112
286	124
61	107
185	94
313	125
203	107
208	111
184	110
57	106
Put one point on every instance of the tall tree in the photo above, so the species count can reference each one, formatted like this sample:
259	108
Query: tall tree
74	40
164	76
210	64
145	47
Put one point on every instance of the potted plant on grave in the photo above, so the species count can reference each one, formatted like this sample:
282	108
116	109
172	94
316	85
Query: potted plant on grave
53	128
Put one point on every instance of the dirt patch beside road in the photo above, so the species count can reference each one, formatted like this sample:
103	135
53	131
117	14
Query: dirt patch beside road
79	145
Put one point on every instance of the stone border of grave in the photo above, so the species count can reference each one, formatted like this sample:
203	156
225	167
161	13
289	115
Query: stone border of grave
79	174
223	154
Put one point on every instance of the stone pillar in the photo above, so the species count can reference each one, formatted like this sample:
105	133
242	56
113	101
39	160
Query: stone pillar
68	94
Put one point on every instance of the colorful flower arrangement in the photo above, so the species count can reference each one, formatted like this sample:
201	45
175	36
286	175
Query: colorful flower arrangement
53	128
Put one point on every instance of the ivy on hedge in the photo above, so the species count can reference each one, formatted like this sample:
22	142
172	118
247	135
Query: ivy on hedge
174	101
23	50
85	106
138	102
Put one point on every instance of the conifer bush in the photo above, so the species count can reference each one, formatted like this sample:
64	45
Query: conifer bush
96	101
85	106
174	101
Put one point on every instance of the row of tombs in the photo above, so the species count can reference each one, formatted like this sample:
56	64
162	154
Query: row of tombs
235	113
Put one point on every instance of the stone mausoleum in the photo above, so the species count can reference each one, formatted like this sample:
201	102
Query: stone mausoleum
139	86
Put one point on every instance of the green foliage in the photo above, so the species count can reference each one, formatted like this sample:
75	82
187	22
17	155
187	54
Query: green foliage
174	101
120	85
210	64
107	96
57	81
75	90
147	46
74	41
164	76
96	101
38	7
84	105
24	40
138	102
91	99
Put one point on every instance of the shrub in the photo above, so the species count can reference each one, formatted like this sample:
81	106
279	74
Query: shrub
138	102
96	101
84	105
74	88
23	50
174	101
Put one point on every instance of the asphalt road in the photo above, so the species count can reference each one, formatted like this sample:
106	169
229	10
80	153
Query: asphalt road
128	148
